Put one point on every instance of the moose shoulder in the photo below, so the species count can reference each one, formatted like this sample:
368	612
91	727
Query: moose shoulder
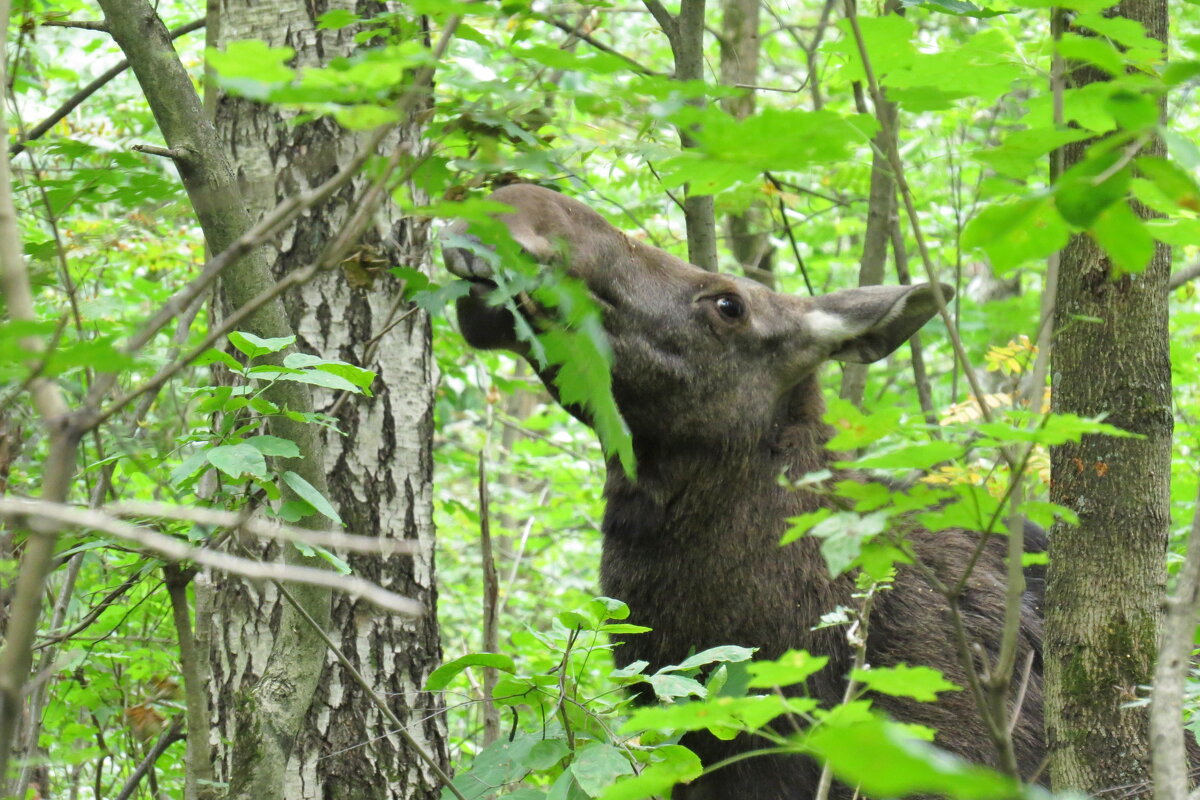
717	378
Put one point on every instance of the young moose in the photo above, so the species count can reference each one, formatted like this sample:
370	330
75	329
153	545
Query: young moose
717	379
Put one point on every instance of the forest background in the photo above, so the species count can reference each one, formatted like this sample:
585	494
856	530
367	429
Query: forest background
1039	159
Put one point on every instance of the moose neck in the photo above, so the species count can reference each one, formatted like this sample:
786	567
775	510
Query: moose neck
688	490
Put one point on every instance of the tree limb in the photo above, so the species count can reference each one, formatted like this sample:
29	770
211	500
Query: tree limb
1184	275
37	513
39	130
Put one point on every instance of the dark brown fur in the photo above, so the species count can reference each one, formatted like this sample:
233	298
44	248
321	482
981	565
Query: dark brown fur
719	408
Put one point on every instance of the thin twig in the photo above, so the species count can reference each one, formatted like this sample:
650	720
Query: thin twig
74	100
169	737
599	45
268	529
35	514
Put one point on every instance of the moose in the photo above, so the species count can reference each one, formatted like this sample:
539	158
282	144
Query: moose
717	379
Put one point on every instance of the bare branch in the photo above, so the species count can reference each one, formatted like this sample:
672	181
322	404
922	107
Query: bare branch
35	514
82	24
1184	275
39	130
161	152
169	737
599	45
268	529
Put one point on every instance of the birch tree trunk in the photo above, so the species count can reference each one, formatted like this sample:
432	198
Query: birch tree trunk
1106	576
379	469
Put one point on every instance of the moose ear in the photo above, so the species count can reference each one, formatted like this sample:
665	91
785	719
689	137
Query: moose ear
865	324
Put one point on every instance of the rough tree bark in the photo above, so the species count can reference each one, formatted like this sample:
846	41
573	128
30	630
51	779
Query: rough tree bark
379	471
1106	576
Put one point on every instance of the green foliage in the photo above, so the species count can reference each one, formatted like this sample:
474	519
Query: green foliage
109	238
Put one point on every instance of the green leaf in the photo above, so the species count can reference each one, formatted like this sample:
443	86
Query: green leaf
668	685
920	456
584	379
307	492
1173	181
315	377
794	666
440	678
856	429
720	714
597	766
1014	233
274	446
883	760
364	117
919	683
843	536
1123	235
726	653
190	466
959	8
1093	50
336	18
254	347
237	460
675	764
212	356
1091	186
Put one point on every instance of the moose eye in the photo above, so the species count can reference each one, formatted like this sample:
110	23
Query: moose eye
730	307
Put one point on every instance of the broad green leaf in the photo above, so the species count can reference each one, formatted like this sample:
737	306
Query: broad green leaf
911	456
598	765
959	8
801	526
584	379
546	753
843	535
336	18
315	377
675	764
1017	232
727	653
307	492
212	356
440	678
274	446
1096	51
794	666
190	466
1091	186
364	117
856	429
237	460
919	683
728	713
1021	153
669	685
888	42
1133	111
254	346
1173	181
1124	236
883	760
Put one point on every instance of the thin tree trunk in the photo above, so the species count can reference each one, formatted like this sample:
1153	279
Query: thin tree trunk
740	46
379	471
1100	643
881	209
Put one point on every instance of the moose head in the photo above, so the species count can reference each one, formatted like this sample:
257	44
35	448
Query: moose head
696	354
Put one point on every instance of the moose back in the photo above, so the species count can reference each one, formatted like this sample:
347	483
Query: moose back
716	377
